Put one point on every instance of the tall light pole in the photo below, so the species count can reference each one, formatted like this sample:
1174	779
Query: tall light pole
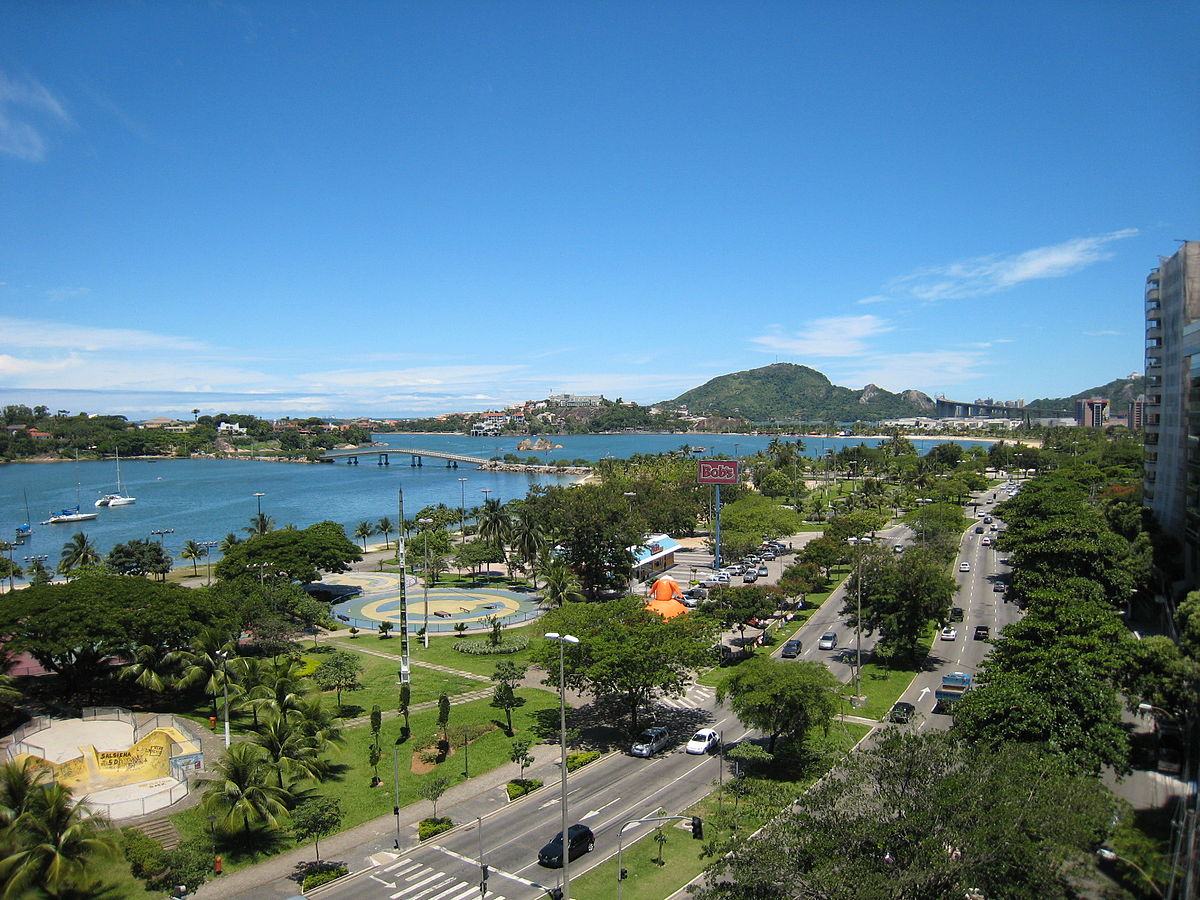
224	654
563	640
858	628
258	495
425	523
462	510
161	533
208	545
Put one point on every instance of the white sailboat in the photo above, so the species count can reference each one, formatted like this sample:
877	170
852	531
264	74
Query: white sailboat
70	513
119	498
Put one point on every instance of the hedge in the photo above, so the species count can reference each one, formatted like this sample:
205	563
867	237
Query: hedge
578	760
484	646
316	879
519	787
427	828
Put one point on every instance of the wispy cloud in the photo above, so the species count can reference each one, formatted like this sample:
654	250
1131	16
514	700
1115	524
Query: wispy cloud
41	334
875	298
1107	333
836	336
991	274
26	106
898	371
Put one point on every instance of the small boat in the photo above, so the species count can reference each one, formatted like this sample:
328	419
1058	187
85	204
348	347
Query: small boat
118	498
70	514
23	533
698	449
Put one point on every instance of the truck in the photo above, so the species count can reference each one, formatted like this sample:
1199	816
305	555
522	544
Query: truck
953	686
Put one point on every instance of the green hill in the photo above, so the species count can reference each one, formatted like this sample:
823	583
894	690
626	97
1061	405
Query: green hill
785	392
1119	393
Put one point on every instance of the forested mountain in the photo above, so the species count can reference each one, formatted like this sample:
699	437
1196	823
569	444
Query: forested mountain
1119	393
786	392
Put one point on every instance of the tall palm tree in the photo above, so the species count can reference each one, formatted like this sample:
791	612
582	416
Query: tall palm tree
203	664
289	748
59	840
19	781
385	526
528	540
494	525
283	690
151	668
362	531
251	673
260	523
228	542
78	551
193	551
243	790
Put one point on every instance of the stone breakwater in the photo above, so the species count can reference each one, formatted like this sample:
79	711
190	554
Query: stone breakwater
496	466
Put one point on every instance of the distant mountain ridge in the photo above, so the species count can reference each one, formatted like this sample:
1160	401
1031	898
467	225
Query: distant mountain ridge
786	392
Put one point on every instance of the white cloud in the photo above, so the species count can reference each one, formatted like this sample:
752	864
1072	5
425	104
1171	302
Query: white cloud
991	274
836	336
875	298
427	376
42	334
919	370
24	106
1101	333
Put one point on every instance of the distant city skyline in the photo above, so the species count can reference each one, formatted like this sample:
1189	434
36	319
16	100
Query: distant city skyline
409	210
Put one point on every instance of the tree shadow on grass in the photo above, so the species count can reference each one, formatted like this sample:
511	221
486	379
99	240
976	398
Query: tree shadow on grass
259	840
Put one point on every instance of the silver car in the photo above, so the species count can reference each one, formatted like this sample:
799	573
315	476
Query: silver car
828	641
650	742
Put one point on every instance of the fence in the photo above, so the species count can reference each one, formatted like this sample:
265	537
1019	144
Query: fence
140	806
108	713
440	625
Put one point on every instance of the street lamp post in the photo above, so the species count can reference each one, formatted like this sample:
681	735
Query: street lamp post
1111	855
425	523
563	640
258	495
462	510
224	654
208	545
161	533
858	629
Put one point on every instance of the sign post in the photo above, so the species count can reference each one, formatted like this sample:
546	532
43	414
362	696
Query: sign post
717	472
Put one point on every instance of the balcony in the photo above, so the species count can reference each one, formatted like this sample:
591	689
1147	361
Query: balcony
1152	295
1154	329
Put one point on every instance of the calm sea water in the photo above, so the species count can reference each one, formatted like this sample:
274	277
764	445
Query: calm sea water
205	499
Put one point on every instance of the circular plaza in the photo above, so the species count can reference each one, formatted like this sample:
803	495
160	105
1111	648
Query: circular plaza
378	600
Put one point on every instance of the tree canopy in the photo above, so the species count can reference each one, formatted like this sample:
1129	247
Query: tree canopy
294	555
782	699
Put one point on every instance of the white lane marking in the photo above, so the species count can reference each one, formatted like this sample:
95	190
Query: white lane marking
475	862
596	812
391	885
397	864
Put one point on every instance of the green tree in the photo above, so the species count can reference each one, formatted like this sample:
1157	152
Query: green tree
386	527
296	555
901	819
781	699
260	524
315	818
432	788
139	557
362	531
193	551
560	585
520	754
78	552
339	671
495	524
443	719
624	649
242	791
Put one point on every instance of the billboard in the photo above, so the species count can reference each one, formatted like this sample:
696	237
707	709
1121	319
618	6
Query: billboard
717	471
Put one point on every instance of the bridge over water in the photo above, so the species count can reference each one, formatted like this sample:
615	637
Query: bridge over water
415	455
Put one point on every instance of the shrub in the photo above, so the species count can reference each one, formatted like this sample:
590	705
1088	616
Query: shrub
427	828
147	857
519	787
484	646
578	760
324	876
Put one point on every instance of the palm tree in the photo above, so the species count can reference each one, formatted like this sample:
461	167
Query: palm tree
205	662
362	531
242	789
385	526
193	551
151	668
494	525
283	690
18	783
561	583
57	840
528	540
78	551
260	523
251	673
289	749
228	542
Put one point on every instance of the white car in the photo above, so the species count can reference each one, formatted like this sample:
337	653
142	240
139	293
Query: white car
828	641
717	579
703	741
949	633
964	567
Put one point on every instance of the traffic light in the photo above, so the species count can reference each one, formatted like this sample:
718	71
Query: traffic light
623	874
697	828
556	894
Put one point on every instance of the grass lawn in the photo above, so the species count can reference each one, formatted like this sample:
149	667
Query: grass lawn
441	650
379	686
351	784
681	854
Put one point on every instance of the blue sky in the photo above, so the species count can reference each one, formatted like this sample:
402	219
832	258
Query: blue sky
415	208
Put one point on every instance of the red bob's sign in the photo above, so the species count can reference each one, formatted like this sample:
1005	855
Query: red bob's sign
717	471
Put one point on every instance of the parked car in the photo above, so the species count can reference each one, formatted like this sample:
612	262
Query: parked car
750	577
650	742
791	649
828	641
1170	760
956	614
716	579
703	741
898	548
901	713
734	570
964	567
949	633
768	555
581	841
982	633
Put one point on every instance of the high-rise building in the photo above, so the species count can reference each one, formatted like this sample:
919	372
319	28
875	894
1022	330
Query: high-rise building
1091	413
1137	413
1172	405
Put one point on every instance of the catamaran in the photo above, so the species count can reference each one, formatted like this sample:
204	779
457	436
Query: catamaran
119	498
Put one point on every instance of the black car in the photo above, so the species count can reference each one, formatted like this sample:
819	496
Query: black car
791	649
901	713
582	841
982	633
956	614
